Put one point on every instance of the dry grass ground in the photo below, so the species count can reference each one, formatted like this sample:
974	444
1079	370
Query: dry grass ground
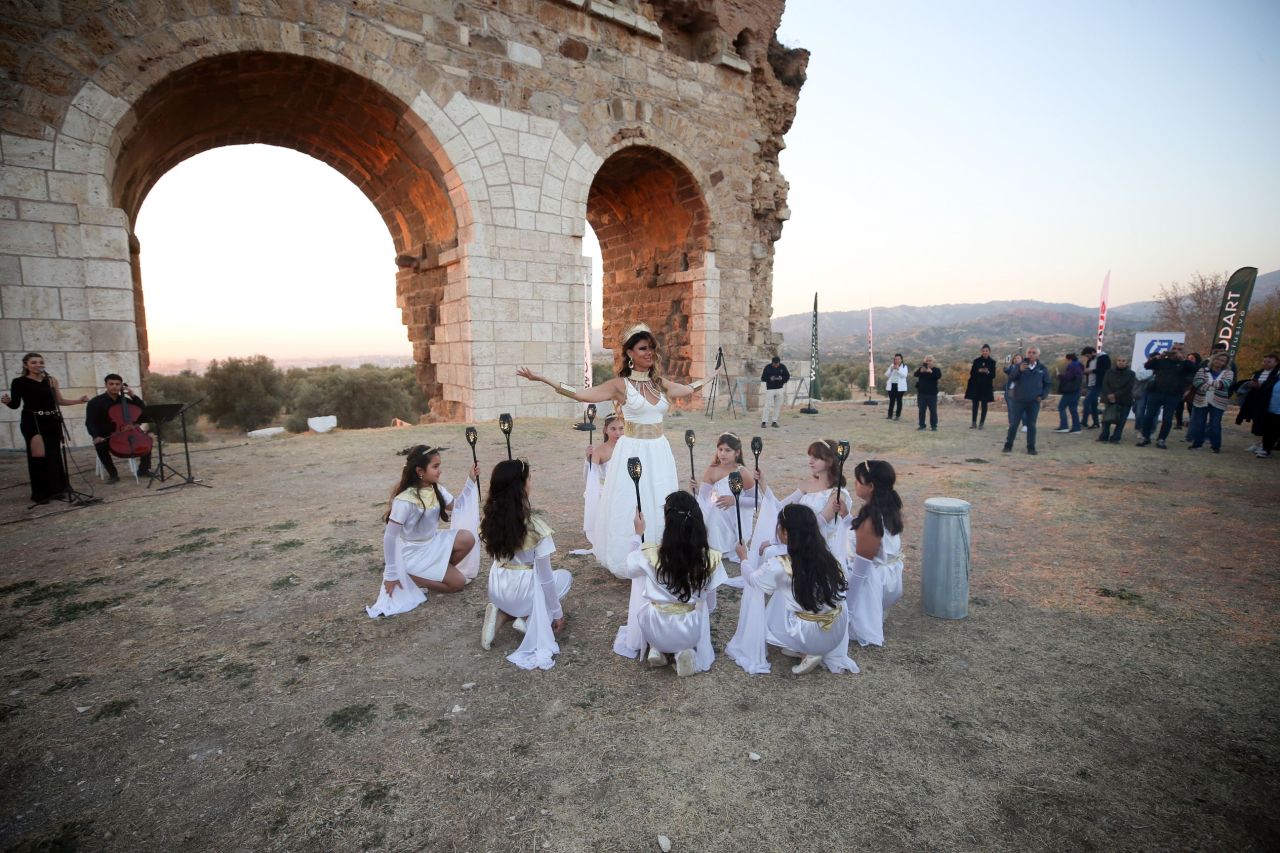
193	669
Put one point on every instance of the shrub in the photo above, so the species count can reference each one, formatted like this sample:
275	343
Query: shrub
244	393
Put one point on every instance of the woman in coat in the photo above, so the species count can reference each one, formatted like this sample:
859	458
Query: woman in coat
981	389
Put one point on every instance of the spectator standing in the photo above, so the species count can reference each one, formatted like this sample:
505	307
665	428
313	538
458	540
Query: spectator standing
1255	394
981	386
1096	364
775	378
1170	376
1030	383
895	382
1271	424
1069	382
1212	384
1117	394
1195	362
927	378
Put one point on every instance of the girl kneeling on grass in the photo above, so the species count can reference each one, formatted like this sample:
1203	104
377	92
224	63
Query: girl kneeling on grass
875	569
522	584
672	590
417	553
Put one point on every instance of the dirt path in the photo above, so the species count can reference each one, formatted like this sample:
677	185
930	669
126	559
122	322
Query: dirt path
193	669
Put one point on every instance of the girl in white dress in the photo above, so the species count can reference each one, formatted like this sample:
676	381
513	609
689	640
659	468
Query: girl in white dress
824	493
522	584
806	615
417	553
719	511
642	395
672	591
597	465
875	569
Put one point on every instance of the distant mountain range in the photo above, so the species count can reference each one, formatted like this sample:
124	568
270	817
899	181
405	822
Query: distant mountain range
943	327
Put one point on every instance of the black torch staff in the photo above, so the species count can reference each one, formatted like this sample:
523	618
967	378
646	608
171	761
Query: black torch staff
842	451
757	447
505	424
591	423
471	440
735	486
690	438
635	469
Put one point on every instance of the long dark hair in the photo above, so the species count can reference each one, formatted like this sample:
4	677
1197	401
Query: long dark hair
27	358
684	566
885	507
419	457
654	373
506	509
817	580
730	441
826	451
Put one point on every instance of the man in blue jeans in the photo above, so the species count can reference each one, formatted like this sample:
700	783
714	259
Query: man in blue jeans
1170	377
1030	384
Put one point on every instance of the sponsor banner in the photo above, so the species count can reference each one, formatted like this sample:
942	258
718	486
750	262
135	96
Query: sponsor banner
1102	309
1235	305
1149	344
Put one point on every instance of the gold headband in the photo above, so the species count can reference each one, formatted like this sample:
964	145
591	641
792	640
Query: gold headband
638	327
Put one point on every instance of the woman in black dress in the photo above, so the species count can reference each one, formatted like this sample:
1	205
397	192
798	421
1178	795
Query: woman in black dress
38	394
980	390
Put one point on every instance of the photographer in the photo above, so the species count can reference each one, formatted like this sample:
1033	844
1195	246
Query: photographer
1029	384
1170	377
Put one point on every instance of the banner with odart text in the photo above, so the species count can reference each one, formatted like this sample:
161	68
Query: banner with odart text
1235	305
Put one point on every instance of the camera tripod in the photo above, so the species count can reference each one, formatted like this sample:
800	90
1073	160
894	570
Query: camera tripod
721	369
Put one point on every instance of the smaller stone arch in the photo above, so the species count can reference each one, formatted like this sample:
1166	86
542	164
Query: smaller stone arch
654	226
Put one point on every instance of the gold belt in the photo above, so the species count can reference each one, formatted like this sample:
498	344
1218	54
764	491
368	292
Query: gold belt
673	608
826	619
643	430
515	567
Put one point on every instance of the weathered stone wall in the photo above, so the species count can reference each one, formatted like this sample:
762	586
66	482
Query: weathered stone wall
485	133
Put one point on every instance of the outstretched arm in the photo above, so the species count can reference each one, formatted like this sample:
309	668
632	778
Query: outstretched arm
610	390
676	390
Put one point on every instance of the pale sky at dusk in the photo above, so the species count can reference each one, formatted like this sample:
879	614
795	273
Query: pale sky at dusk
942	152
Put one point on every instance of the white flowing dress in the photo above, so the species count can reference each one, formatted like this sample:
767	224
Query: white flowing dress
833	531
722	523
613	522
527	587
784	623
874	587
414	544
657	618
593	475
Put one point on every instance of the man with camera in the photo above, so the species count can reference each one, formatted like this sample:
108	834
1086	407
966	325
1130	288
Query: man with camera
1028	383
1171	375
775	378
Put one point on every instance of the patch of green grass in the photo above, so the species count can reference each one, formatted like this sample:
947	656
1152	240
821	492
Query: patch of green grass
28	674
69	837
7	710
348	719
286	582
237	669
200	531
377	567
287	545
284	525
189	672
301	659
344	522
323	585
375	794
1119	592
54	591
439	727
259	644
160	583
73	610
190	547
114	708
405	711
350	547
14	587
979	461
64	684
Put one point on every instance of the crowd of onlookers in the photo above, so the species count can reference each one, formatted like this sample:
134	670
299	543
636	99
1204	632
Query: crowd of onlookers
1171	390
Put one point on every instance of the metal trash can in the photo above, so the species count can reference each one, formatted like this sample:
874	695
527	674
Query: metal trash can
944	576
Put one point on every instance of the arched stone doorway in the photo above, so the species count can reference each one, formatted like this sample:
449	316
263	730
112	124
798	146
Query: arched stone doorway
653	224
329	113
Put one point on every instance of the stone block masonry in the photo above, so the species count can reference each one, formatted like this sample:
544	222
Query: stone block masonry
486	135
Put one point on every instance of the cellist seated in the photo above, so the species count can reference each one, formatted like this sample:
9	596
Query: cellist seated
99	423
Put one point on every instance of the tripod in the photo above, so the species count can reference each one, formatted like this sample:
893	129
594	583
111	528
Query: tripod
715	385
69	492
160	414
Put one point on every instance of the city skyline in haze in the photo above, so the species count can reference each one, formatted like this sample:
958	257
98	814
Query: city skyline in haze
940	154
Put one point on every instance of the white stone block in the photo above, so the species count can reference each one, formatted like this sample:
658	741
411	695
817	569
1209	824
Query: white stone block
489	154
508	140
513	120
21	182
81	372
72	155
74	304
105	241
526	198
490	113
496	177
23	303
534	147
70	241
44	211
460	109
90	215
10	337
543	126
476	131
26	238
8	208
109	304
524	54
10	271
25	151
525	221
57	335
109	335
115	274
100	104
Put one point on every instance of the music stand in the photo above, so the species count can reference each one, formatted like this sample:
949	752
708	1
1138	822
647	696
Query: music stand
160	414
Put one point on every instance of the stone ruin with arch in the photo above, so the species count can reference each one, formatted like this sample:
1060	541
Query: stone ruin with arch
485	132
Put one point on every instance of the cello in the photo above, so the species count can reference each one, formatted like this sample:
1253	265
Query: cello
128	441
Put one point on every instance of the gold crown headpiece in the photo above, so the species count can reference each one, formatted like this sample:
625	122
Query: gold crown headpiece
638	327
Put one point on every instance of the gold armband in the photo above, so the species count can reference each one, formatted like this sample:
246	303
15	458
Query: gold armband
566	390
697	383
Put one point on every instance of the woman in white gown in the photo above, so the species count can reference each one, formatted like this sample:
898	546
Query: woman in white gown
806	615
522	584
875	564
672	591
597	465
725	518
417	553
643	396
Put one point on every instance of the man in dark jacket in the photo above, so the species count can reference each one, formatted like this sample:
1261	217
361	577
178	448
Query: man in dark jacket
1096	365
1171	375
775	378
1117	394
1029	384
98	423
